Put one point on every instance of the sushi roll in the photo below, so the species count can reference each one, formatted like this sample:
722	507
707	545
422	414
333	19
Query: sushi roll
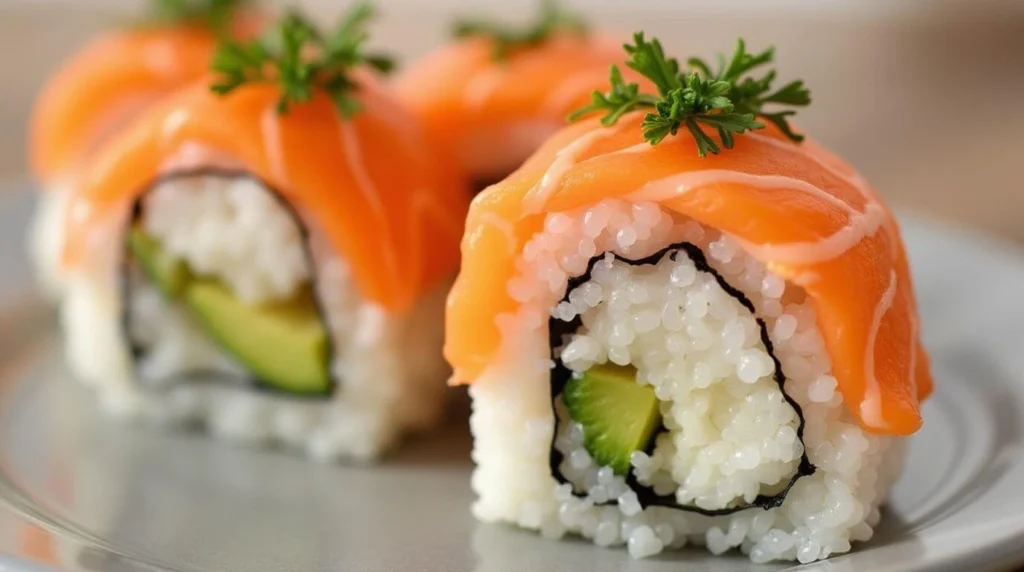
496	93
688	324
269	257
105	85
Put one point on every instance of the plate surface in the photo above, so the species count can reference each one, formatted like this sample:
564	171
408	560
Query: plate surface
81	493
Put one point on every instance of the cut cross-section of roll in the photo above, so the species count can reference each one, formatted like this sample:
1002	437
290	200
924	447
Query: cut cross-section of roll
664	349
274	276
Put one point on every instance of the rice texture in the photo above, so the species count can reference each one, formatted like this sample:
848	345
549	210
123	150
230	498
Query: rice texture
730	434
388	366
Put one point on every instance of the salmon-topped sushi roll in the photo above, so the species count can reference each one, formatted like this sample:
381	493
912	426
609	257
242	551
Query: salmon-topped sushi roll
496	93
105	85
270	256
688	324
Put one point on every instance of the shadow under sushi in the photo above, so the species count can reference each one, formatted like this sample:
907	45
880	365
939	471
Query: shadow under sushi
503	548
448	445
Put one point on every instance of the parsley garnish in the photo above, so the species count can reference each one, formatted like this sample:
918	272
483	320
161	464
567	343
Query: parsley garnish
299	59
214	14
551	19
724	99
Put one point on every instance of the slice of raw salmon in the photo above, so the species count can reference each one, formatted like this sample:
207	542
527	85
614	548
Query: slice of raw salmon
371	183
805	214
492	113
111	80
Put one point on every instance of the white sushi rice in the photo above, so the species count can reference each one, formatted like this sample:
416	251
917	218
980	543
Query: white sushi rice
236	232
731	435
46	233
388	366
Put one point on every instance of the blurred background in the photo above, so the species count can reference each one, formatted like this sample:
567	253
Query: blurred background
925	97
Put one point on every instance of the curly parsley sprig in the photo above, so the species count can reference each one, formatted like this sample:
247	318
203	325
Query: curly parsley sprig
724	100
298	58
750	95
214	14
551	19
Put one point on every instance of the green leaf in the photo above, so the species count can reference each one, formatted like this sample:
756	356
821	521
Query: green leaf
751	95
705	144
300	60
353	24
551	19
623	98
735	122
779	120
648	58
656	128
727	137
699	65
381	63
793	93
214	14
742	62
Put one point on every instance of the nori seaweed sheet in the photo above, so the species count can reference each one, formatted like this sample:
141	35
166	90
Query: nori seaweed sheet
201	376
558	330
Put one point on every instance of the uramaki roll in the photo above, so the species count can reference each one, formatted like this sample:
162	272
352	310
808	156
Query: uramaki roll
278	276
665	349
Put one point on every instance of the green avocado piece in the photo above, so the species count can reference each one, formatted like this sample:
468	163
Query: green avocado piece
168	273
284	344
618	415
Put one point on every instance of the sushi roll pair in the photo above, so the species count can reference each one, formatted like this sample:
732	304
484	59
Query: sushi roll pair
685	323
682	322
102	88
267	251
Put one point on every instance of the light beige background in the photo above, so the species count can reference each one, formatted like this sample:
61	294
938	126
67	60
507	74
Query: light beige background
925	97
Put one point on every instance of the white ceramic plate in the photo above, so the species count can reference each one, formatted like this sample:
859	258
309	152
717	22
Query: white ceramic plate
81	493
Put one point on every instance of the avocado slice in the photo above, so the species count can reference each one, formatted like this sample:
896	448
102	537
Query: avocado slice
284	344
618	415
168	273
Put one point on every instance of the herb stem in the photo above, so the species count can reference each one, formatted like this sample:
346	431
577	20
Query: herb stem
301	60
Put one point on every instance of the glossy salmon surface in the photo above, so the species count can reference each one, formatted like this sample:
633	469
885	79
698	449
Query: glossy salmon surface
109	82
388	206
476	104
804	213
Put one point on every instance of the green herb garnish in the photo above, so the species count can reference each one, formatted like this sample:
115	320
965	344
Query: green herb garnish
214	14
300	59
552	18
724	100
